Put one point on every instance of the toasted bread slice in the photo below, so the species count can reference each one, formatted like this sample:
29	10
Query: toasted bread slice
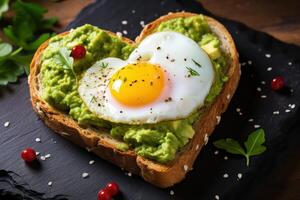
103	145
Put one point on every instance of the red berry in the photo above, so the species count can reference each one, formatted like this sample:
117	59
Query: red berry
112	188
104	195
28	155
78	52
277	83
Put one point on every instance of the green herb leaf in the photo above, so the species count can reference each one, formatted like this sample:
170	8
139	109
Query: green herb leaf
230	145
254	145
5	49
9	72
196	63
103	64
192	72
65	58
4	5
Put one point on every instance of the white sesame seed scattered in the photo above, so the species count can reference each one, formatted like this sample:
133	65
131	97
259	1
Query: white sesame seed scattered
48	155
269	69
240	113
225	158
171	192
43	158
228	96
37	153
125	32
292	106
38	139
197	147
91	162
50	183
84	175
243	63
239	175
256	126
290	63
124	22
287	110
268	55
133	11
225	175
217	197
263	96
276	112
238	110
216	152
129	174
186	168
6	124
258	89
250	120
119	34
218	119
142	23
263	82
249	62
206	138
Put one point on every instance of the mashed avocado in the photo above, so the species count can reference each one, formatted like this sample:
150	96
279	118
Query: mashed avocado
159	142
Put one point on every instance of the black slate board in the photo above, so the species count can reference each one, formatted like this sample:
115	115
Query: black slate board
68	162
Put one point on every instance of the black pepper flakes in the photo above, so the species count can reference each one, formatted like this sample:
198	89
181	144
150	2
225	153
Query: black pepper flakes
158	48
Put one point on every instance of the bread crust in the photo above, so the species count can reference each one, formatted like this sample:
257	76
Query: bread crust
103	145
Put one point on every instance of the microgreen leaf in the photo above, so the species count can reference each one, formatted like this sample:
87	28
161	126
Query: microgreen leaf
192	72
254	145
196	63
4	5
65	58
5	49
103	64
9	72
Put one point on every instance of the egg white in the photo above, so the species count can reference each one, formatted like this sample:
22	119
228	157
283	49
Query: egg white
172	51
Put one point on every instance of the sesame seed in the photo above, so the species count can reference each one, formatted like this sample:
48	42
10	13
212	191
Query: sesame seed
185	167
37	153
292	106
256	126
238	110
243	63
239	175
216	152
225	158
197	147
276	112
225	175
124	32
43	158
249	62
290	63
6	124
38	139
287	110
171	192
217	197
133	11
129	174
119	34
258	89
218	119
263	82
263	96
91	162
206	138
269	69
84	175
47	155
50	183
250	120
142	23
228	96
124	22
268	55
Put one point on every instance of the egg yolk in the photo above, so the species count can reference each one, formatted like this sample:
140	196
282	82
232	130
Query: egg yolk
137	84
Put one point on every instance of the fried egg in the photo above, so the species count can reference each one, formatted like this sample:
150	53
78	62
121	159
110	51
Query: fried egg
167	77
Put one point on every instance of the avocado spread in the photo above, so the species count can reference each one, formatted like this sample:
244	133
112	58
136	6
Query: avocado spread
159	142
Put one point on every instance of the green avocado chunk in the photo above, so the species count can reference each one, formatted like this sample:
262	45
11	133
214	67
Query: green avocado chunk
159	142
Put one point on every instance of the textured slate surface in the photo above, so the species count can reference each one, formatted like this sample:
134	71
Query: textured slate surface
68	162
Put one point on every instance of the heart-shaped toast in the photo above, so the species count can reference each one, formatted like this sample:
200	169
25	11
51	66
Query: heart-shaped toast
69	120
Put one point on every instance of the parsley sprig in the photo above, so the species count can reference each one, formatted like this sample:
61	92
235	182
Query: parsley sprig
26	31
253	145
